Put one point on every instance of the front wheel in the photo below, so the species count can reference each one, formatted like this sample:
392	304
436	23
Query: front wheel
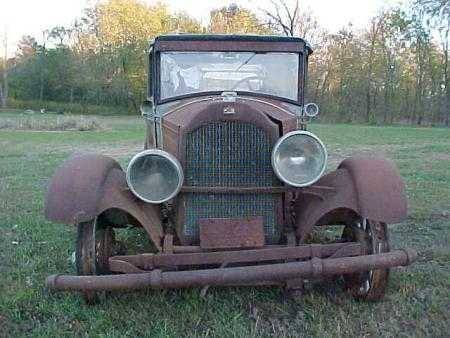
368	285
94	246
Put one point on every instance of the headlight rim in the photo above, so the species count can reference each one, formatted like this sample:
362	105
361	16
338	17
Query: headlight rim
280	141
305	109
166	155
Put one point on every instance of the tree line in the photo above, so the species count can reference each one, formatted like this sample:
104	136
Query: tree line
395	70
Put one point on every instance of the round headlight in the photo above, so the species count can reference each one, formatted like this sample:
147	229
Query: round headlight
154	176
311	109
146	107
299	158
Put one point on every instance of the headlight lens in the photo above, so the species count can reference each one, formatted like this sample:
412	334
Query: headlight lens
154	176
299	158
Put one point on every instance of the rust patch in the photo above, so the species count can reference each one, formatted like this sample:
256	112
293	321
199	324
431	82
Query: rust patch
222	233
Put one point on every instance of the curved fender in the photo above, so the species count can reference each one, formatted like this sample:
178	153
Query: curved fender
368	186
86	185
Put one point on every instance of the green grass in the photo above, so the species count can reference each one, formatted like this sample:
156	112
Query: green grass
417	300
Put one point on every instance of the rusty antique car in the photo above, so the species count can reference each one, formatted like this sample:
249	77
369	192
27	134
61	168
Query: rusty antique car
230	184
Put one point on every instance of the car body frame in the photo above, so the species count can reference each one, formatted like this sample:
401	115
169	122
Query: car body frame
230	184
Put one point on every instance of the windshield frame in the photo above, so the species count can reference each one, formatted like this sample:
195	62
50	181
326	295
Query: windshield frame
218	92
155	79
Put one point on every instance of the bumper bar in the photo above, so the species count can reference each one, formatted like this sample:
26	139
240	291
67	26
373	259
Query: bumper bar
157	279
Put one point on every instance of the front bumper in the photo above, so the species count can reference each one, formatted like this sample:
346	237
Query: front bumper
275	265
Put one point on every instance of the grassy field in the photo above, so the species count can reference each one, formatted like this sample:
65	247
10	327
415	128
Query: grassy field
417	302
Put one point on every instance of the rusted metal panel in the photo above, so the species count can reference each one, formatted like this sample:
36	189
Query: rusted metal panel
118	196
310	207
314	268
77	187
379	188
191	115
227	233
87	185
229	46
237	40
365	186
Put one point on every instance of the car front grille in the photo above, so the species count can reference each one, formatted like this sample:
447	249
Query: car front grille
229	154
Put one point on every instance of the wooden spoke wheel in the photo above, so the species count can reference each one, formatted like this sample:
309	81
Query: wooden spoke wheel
94	246
368	285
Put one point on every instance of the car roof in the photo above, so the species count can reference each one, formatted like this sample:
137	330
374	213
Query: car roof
231	37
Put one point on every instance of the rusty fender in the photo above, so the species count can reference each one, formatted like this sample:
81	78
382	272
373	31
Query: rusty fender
370	187
87	185
315	268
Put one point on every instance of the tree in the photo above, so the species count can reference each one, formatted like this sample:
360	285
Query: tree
2	69
372	37
183	23
25	74
26	47
115	36
235	20
60	34
292	20
438	12
282	17
4	87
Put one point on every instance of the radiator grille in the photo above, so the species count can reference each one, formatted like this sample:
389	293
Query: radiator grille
229	154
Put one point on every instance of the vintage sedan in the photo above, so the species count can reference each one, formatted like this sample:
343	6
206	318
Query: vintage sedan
230	185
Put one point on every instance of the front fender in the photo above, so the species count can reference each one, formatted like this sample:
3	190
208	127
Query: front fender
367	186
87	185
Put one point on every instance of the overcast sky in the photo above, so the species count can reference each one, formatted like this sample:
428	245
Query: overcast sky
21	17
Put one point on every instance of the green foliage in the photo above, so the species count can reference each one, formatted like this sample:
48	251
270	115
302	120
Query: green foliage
235	20
393	71
100	60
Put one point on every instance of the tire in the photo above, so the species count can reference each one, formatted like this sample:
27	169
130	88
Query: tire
368	285
94	246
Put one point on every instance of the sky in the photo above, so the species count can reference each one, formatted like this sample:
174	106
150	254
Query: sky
31	17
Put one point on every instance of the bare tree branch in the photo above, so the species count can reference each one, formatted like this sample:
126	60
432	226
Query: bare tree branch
277	18
285	19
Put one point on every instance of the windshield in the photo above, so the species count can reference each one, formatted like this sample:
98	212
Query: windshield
194	72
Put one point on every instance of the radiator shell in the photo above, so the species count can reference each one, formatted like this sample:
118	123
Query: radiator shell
229	154
267	119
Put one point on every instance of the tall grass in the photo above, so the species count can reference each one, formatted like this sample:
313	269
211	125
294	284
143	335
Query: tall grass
51	123
68	108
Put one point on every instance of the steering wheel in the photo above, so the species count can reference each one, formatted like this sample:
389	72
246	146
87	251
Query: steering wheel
247	80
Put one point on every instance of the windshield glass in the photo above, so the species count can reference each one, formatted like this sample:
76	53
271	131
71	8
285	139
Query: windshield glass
194	72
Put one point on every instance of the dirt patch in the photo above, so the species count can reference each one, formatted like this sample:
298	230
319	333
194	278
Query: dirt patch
336	156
